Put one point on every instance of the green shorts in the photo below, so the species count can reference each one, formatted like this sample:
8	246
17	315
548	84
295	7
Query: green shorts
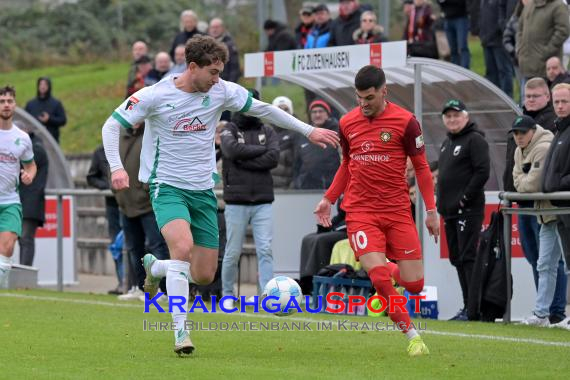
198	207
11	218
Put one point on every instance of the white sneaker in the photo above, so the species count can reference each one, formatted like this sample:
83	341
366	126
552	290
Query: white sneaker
228	304
183	344
162	299
132	295
563	324
250	299
535	320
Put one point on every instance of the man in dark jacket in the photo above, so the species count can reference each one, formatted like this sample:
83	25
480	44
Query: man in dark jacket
307	16
47	109
231	71
137	217
278	36
556	72
188	29
492	21
32	197
464	166
346	23
250	150
98	177
557	167
315	167
283	173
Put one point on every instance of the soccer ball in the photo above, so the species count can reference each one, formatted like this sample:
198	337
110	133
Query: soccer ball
284	288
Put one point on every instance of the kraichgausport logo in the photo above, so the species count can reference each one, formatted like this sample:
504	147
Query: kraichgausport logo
334	302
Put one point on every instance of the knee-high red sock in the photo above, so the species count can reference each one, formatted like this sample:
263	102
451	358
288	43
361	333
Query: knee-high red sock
411	286
381	279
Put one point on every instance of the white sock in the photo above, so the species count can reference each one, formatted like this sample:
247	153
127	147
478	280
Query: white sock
5	266
160	268
177	285
411	334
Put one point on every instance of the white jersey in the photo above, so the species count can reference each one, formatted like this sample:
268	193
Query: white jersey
178	142
15	147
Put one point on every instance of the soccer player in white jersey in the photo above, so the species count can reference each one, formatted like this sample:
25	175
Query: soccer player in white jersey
15	148
179	164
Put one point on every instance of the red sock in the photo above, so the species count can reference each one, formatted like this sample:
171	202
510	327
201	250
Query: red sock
413	287
381	279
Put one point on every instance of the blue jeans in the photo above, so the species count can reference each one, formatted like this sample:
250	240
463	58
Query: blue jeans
237	219
457	30
550	254
529	233
142	234
499	69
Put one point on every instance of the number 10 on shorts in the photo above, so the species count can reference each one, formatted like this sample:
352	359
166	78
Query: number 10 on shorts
359	240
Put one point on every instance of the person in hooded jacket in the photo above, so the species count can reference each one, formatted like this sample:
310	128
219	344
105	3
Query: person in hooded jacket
47	109
464	167
250	150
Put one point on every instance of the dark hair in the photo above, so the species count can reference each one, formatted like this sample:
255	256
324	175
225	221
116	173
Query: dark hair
8	90
270	24
205	50
369	76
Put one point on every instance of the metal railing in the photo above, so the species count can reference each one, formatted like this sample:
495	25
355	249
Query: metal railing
507	198
60	193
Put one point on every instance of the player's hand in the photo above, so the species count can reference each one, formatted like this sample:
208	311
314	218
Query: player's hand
323	137
432	224
323	212
119	179
25	177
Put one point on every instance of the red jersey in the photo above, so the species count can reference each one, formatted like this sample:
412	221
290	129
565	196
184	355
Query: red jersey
375	151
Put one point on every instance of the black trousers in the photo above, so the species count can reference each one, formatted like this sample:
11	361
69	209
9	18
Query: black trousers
28	241
462	237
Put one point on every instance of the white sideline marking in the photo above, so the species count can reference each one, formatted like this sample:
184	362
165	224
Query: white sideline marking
298	319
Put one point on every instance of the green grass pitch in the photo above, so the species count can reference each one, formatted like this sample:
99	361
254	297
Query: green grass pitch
45	335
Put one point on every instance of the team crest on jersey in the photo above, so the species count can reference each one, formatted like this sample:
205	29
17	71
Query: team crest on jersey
131	103
206	101
385	136
186	126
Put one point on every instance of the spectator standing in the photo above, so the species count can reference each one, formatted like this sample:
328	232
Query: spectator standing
369	32
98	177
543	28
232	70
419	30
555	72
533	143
320	33
250	150
283	173
499	69
162	65
143	66
464	166
33	201
188	29
346	23
510	43
139	49
315	168
456	25
179	61
137	218
557	178
47	109
307	17
278	36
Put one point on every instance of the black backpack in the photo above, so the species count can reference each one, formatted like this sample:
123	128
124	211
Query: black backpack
488	290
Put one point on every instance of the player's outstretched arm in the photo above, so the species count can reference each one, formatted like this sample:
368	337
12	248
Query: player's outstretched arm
425	183
111	134
277	116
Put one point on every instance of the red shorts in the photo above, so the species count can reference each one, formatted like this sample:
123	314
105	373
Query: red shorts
393	234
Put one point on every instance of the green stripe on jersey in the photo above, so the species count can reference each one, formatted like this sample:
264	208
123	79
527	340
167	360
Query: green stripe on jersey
27	161
247	105
155	165
121	120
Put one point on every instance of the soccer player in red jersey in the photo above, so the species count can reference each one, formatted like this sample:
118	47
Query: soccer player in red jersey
376	139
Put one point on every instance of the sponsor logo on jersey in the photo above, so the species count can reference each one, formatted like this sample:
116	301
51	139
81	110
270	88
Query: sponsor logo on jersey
8	158
419	141
131	103
186	126
385	136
